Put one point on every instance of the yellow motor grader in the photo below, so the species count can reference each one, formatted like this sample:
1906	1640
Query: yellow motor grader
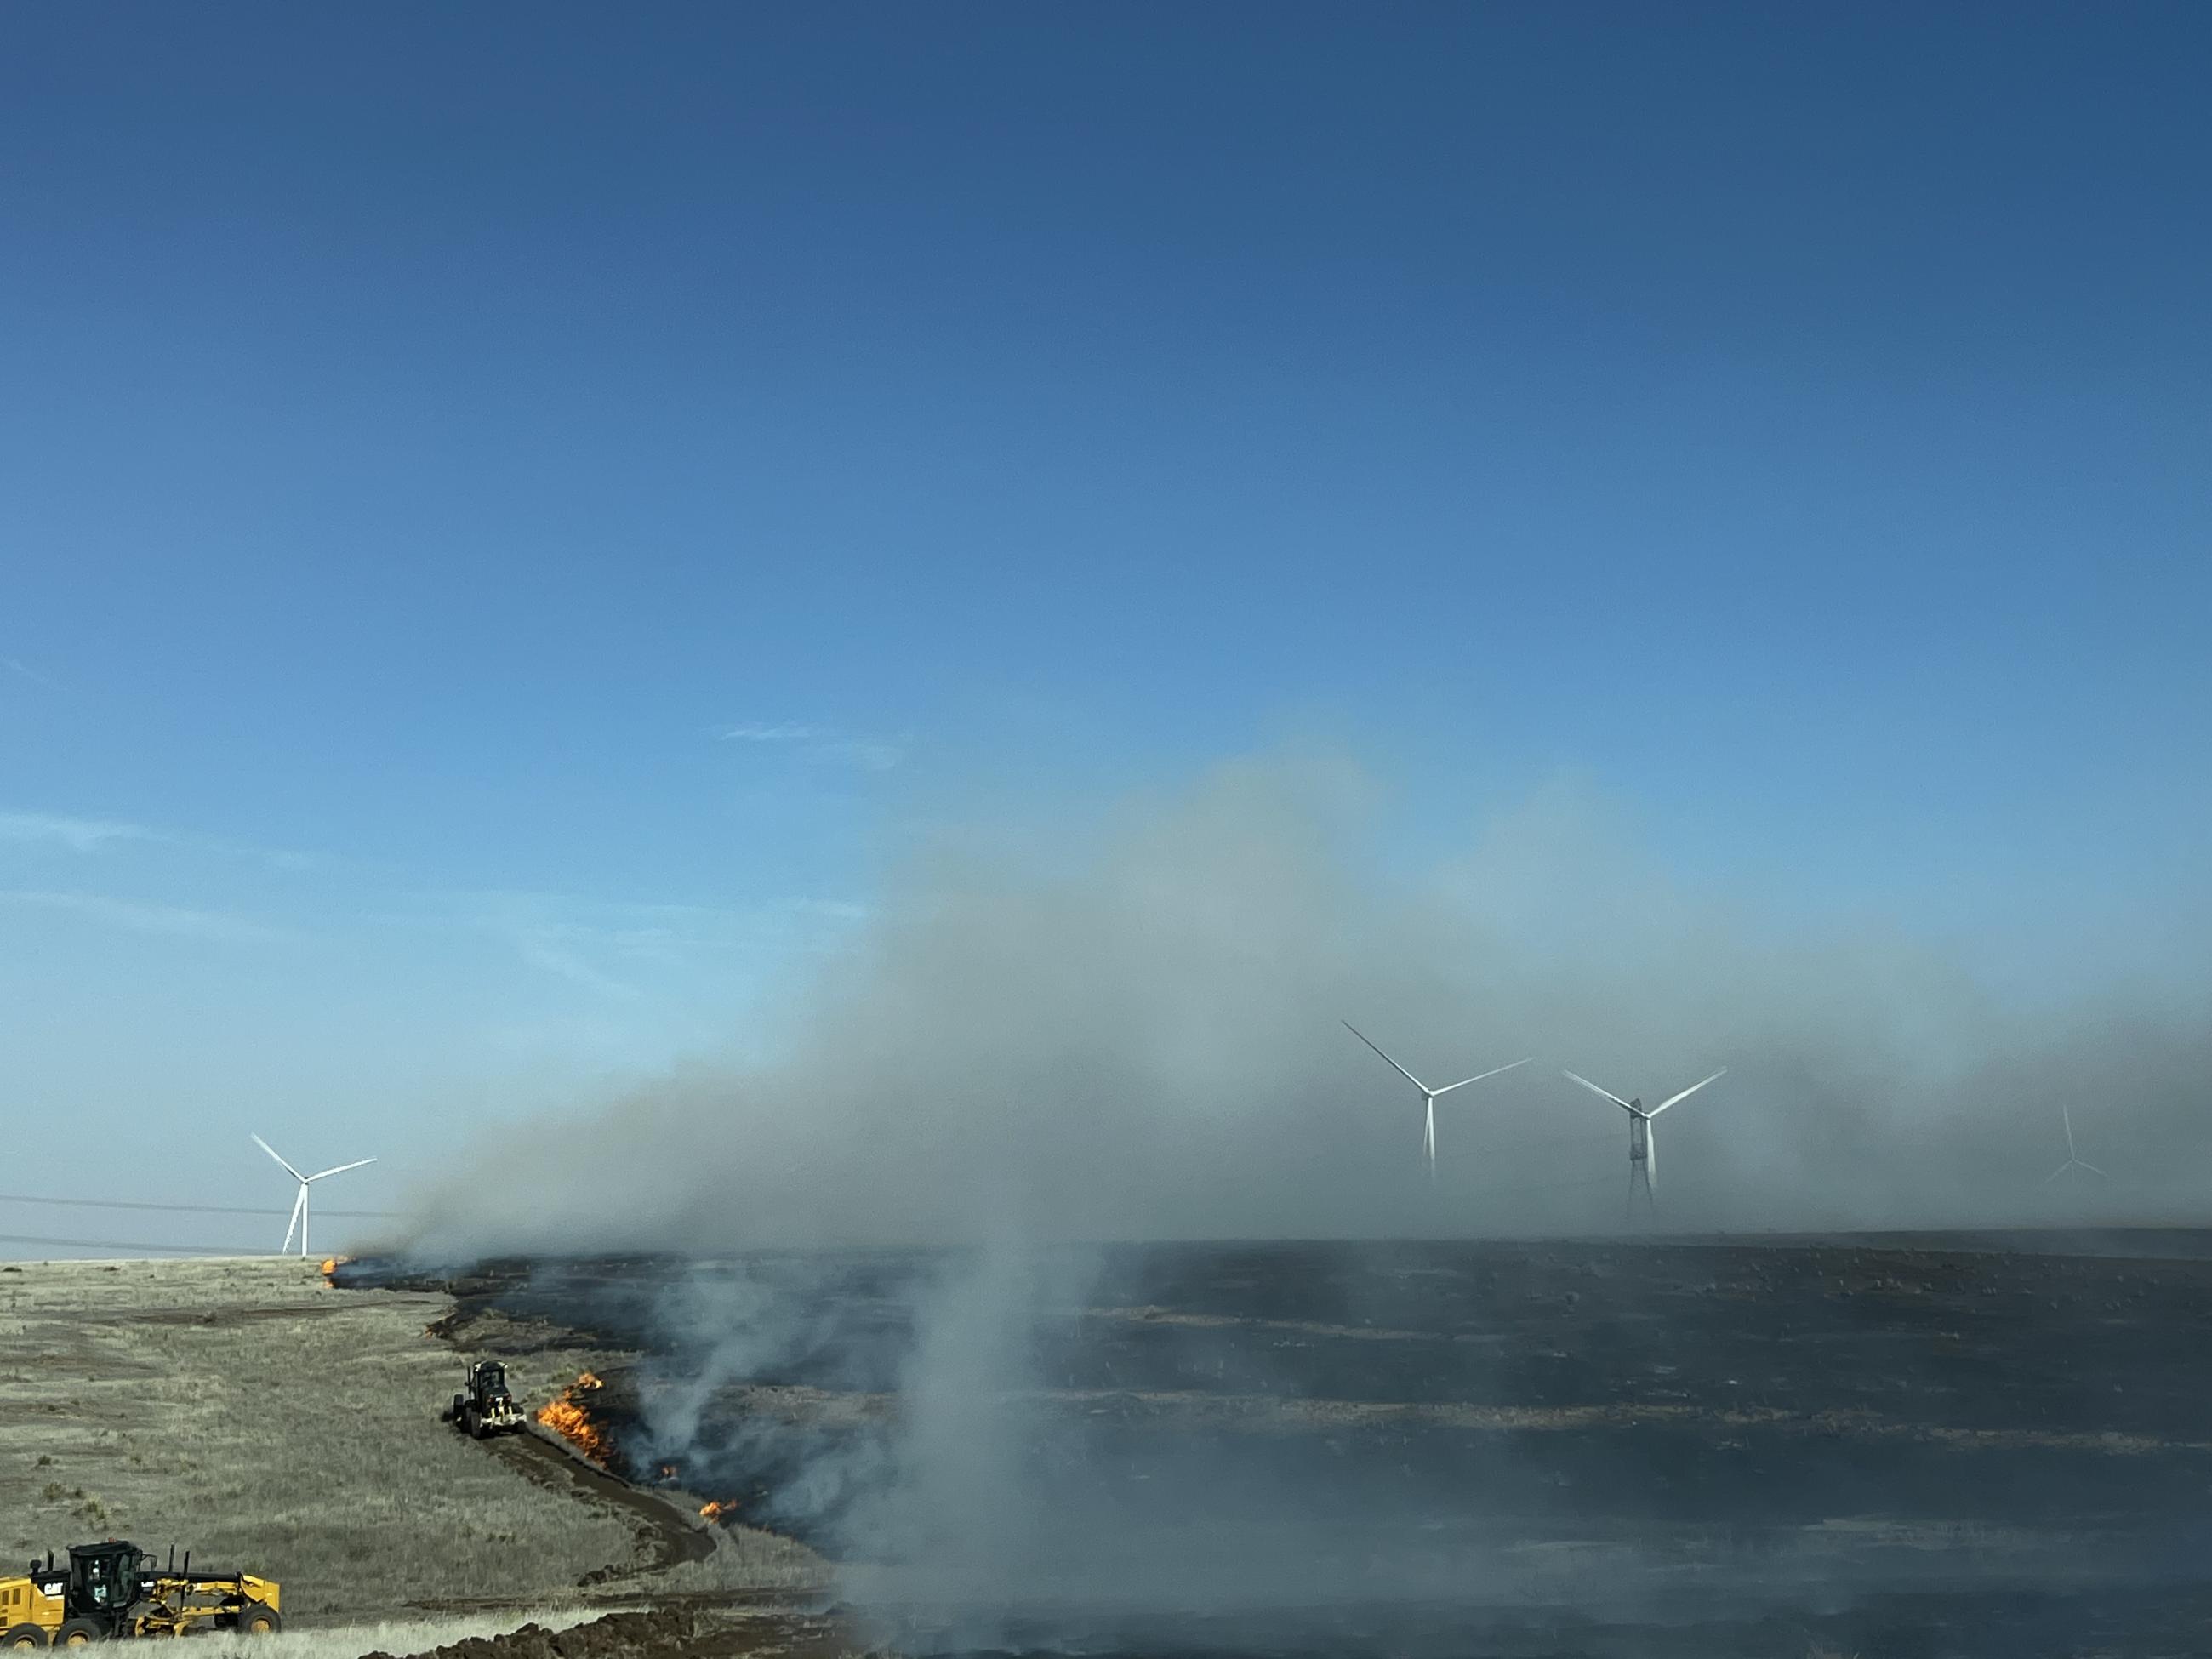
115	1589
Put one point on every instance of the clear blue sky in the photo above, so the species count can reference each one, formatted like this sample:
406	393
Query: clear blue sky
427	431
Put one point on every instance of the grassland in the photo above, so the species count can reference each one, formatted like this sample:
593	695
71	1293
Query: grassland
396	1636
245	1410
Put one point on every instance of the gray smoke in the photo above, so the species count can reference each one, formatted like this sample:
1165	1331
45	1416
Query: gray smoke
1132	1031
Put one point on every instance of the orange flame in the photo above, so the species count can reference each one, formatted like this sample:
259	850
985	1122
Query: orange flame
668	1471
331	1264
715	1511
567	1418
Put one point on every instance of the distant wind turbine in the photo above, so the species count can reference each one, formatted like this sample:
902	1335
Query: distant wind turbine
2072	1162
1642	1151
1428	1095
299	1221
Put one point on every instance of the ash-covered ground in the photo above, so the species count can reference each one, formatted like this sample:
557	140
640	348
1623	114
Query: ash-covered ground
1895	1446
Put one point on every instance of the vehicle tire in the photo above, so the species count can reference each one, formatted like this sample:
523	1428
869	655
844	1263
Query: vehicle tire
76	1634
23	1636
259	1619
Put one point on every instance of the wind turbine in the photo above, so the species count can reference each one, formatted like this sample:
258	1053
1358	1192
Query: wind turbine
1643	1152
299	1204
2072	1162
1429	1096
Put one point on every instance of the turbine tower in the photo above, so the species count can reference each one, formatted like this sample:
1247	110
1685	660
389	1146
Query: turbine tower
300	1205
1429	1096
2072	1162
1642	1151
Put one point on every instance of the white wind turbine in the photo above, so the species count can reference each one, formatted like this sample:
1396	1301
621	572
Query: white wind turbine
1642	1151
2072	1162
1429	1096
300	1205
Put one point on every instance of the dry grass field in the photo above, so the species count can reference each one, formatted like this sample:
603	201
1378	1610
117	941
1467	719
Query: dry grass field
245	1410
396	1636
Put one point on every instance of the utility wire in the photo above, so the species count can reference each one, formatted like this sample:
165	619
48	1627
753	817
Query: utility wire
130	1244
1610	1138
182	1209
1511	1188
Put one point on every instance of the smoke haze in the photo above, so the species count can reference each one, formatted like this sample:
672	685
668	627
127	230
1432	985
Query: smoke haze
1133	1033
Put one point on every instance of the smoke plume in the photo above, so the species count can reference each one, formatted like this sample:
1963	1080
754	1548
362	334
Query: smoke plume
1131	1032
1134	1034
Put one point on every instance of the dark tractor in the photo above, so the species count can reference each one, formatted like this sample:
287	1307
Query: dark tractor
484	1407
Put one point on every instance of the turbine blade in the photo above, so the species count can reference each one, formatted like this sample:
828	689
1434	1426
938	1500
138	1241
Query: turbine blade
293	1225
340	1170
1688	1092
1479	1076
2055	1173
2067	1117
2094	1171
1395	1066
272	1152
1594	1089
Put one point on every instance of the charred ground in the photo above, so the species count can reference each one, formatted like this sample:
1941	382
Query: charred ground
1996	1445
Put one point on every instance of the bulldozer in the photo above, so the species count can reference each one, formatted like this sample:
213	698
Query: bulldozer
114	1590
484	1407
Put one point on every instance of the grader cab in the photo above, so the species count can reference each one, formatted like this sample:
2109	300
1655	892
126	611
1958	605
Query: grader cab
114	1590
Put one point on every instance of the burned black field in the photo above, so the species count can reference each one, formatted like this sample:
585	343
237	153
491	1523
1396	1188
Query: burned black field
1892	1446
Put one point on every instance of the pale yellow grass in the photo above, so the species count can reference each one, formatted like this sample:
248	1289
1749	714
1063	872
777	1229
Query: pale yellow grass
743	1560
394	1636
245	1410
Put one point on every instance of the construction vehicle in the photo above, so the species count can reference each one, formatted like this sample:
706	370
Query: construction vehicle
115	1590
485	1408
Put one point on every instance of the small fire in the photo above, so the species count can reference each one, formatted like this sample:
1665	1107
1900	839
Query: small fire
668	1471
330	1265
715	1511
565	1415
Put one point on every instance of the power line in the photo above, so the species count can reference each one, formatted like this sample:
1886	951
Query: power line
1515	1188
1608	1138
130	1244
183	1209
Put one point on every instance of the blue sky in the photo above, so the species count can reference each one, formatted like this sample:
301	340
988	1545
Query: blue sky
512	517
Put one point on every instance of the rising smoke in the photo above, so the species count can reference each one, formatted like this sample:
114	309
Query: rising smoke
1133	1033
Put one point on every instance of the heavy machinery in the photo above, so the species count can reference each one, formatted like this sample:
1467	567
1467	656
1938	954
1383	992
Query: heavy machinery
485	1408
115	1589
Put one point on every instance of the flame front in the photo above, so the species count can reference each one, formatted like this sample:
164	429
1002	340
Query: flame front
565	1415
330	1268
714	1511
